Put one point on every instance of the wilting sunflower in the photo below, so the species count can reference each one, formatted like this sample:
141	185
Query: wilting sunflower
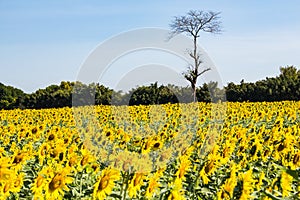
105	183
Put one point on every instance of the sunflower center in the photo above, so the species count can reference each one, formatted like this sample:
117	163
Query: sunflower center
6	187
39	181
56	182
51	137
209	167
137	179
103	183
18	159
296	159
84	160
17	183
156	145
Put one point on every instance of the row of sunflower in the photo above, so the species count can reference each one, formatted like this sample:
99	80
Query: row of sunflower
172	151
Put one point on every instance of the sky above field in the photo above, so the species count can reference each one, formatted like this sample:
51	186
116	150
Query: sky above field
45	42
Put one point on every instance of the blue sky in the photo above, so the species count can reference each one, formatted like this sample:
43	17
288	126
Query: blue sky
45	42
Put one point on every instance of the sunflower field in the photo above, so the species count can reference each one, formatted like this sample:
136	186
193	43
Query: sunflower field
172	151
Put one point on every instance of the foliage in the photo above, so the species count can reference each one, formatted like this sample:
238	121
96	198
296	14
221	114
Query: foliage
286	86
9	96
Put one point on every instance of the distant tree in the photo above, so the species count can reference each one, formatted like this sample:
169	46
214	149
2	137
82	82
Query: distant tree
9	96
192	24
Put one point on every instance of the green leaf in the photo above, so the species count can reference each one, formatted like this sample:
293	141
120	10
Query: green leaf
272	196
293	173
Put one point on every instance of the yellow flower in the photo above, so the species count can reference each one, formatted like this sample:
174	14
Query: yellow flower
204	176
42	152
17	183
5	172
40	183
57	183
6	189
135	184
18	160
295	162
247	185
286	182
176	192
231	182
153	184
185	164
105	183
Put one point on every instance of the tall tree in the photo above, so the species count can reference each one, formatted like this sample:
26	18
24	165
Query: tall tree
192	24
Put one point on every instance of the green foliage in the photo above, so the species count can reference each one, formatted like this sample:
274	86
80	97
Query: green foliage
286	86
9	96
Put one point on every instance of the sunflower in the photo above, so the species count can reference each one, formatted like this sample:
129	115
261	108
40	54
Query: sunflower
231	182
156	145
40	182
146	148
204	176
38	185
5	172
105	183
153	184
295	162
18	160
176	192
185	164
17	182
247	185
286	184
135	184
6	189
42	152
57	183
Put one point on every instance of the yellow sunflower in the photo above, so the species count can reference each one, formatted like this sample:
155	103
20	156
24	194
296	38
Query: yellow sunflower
40	182
105	183
58	184
286	184
135	184
6	189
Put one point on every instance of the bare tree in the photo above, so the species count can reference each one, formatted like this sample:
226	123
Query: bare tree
192	24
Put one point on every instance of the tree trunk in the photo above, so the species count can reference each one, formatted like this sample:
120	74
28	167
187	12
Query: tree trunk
195	68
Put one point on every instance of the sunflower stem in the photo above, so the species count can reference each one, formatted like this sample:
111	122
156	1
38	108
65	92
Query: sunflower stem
81	185
126	179
122	187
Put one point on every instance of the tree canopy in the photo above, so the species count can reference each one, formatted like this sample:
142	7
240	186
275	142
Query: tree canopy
285	86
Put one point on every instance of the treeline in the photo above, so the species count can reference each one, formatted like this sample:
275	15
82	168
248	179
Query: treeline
286	86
